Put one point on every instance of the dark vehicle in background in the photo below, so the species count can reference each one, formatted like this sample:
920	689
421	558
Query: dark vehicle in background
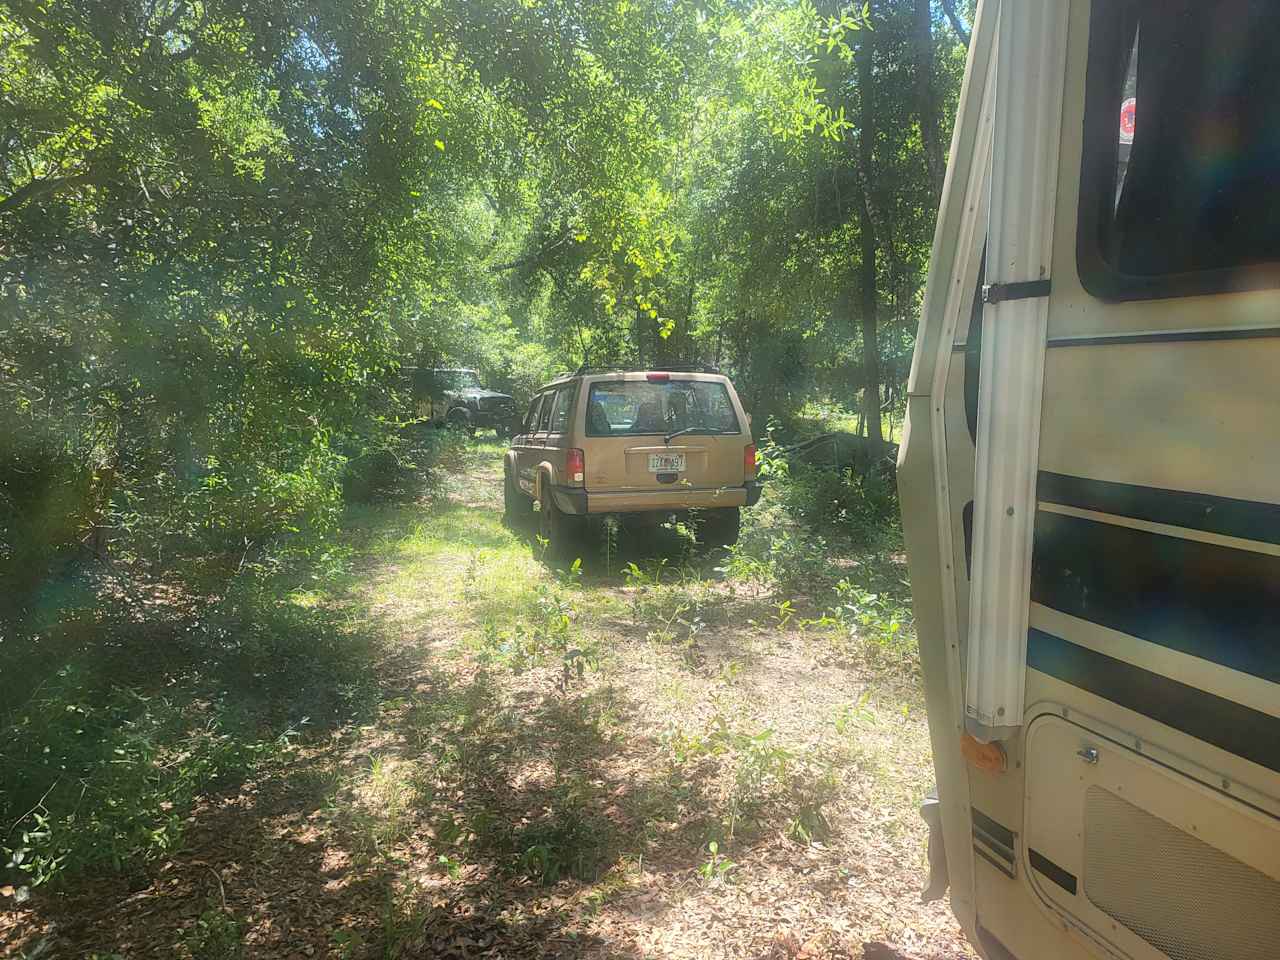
456	397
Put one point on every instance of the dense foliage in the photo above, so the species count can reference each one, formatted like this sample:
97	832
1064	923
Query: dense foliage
226	226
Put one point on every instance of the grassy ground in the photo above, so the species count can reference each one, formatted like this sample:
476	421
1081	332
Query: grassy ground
653	753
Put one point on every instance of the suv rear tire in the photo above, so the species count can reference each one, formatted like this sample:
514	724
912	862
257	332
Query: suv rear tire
516	506
719	527
563	532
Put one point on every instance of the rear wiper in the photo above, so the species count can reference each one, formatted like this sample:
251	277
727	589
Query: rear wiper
680	433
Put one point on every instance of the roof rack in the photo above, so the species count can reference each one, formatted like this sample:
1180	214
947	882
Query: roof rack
668	367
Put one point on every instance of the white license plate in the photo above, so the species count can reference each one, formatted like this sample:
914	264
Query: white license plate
666	462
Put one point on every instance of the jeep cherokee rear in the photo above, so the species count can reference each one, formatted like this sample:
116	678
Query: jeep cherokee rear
638	445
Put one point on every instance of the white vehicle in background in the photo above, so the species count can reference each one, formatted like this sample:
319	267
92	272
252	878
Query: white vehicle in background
1090	484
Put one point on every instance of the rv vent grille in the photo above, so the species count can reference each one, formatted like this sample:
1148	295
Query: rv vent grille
1186	898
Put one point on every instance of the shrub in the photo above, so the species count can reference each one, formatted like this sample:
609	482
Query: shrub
102	779
134	721
858	506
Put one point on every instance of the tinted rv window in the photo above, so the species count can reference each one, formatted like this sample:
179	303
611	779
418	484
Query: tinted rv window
1180	189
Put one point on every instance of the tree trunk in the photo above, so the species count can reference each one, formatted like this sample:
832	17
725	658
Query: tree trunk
926	97
867	292
688	311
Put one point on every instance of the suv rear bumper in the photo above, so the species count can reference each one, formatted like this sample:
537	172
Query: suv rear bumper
577	501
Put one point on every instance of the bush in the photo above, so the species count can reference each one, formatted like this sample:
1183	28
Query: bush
401	466
104	778
858	506
134	721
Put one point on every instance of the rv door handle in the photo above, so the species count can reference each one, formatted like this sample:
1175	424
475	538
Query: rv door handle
1088	754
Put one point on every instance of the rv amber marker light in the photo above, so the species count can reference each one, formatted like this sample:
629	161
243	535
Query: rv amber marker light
985	756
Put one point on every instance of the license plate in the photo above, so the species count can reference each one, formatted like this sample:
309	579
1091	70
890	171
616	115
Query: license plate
666	462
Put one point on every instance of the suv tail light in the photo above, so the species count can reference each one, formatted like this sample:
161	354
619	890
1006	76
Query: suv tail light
575	466
749	460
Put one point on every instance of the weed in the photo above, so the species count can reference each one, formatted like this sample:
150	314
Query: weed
855	715
451	865
761	765
875	619
784	611
400	925
471	578
610	542
810	793
347	944
109	777
548	630
716	867
216	935
381	815
765	780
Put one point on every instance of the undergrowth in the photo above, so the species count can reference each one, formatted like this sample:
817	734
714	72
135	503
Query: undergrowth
125	699
142	710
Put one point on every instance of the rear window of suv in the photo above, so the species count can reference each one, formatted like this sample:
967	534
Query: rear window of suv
646	408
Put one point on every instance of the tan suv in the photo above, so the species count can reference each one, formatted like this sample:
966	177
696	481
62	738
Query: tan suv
637	445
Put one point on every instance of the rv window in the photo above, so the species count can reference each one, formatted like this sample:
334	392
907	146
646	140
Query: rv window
1180	186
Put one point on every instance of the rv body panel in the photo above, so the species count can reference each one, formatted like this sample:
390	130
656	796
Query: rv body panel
1151	670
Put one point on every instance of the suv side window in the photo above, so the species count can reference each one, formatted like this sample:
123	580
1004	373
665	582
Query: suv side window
561	411
544	415
531	418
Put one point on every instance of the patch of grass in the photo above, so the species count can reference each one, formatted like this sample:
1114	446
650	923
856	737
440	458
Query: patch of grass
215	935
759	782
163	701
111	776
382	804
512	745
563	843
101	771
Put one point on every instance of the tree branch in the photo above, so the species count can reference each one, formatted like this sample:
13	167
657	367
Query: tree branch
956	23
532	257
38	188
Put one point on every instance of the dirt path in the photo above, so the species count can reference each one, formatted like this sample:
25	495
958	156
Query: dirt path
578	763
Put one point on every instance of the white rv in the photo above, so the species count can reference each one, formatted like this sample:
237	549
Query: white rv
1090	484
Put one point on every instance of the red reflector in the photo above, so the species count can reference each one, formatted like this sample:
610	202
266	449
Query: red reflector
749	460
575	465
657	377
985	756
